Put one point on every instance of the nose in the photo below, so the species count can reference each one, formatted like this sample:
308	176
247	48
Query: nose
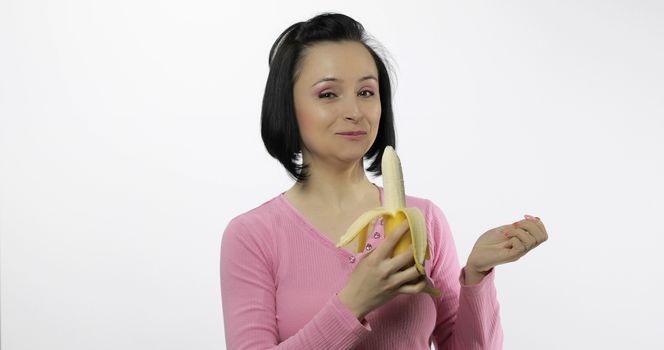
352	111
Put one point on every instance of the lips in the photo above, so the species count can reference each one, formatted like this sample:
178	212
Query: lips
353	133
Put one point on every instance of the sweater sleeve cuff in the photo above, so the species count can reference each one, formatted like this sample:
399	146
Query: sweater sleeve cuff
478	314
484	286
340	324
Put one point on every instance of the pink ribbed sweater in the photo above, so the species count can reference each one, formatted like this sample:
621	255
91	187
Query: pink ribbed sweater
280	277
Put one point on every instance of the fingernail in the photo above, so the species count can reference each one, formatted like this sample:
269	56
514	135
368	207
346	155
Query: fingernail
538	218
515	224
529	217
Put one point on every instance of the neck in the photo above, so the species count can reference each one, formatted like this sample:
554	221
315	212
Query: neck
337	185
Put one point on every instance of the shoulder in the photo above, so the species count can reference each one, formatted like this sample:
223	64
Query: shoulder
252	234
431	211
438	228
258	220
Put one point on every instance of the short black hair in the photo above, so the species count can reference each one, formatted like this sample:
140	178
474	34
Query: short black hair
279	128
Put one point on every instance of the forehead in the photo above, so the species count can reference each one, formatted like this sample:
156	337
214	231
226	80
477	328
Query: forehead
342	60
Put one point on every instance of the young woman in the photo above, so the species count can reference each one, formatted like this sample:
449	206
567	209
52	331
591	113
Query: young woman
284	283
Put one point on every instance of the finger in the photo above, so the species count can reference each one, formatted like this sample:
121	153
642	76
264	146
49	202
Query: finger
404	276
541	235
413	288
398	264
386	247
517	248
539	223
524	237
541	226
529	227
534	230
402	261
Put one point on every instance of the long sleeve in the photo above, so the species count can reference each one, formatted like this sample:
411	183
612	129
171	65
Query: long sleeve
248	287
467	316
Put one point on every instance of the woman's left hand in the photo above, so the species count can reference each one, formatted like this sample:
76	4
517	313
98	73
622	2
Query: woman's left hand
506	244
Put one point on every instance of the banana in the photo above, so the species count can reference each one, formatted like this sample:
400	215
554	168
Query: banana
393	213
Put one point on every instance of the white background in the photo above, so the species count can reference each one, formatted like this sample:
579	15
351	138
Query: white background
129	137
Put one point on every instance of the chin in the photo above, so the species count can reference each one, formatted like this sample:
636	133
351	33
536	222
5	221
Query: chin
353	156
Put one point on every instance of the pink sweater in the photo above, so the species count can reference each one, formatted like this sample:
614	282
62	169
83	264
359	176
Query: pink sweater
280	277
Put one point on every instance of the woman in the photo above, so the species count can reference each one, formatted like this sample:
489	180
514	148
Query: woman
284	282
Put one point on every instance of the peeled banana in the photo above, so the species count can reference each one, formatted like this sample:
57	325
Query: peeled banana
393	213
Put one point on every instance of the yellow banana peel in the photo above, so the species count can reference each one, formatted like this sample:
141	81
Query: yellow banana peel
394	212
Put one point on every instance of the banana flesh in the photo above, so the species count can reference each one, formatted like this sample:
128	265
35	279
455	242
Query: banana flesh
394	212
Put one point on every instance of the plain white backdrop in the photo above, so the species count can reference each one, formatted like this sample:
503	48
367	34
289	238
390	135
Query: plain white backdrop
129	137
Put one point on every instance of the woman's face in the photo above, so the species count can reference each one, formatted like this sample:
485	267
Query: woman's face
336	92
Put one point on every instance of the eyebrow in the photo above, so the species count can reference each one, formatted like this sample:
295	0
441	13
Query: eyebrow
366	77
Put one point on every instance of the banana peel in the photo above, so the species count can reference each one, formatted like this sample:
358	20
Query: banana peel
394	212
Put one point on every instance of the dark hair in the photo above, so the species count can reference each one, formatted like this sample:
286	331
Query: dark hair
279	129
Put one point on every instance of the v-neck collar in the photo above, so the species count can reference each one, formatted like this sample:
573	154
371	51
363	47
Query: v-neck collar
314	231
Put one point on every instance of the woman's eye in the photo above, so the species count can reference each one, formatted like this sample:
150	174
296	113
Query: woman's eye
326	94
366	93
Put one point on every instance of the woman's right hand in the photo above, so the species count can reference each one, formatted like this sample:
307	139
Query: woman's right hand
379	277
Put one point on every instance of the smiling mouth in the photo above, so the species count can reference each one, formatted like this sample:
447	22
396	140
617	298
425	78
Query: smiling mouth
353	133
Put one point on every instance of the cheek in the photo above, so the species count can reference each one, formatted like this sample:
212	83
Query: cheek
312	117
375	119
376	112
302	116
305	120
